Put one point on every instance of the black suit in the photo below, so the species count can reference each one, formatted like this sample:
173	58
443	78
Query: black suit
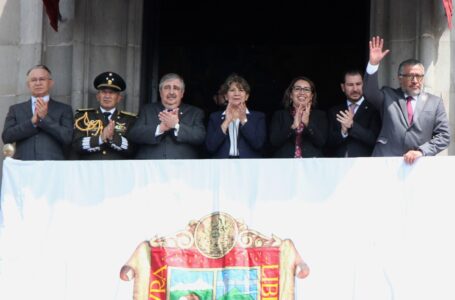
314	136
86	140
191	134
361	136
45	141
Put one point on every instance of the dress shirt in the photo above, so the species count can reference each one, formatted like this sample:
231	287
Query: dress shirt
233	135
34	99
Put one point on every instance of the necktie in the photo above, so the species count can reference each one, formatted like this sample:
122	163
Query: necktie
409	109
106	116
352	107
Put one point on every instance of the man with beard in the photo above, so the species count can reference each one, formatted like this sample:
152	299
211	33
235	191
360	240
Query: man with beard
414	123
169	129
353	125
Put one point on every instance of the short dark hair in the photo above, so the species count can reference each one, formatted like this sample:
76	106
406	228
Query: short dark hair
409	62
238	80
287	93
42	67
350	72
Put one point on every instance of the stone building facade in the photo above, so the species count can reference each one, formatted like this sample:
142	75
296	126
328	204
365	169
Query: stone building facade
94	37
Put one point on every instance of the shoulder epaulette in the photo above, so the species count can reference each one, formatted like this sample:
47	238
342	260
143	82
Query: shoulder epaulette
127	113
85	109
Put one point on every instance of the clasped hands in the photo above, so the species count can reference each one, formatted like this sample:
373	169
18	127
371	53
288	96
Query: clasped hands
346	119
234	112
41	108
168	119
108	132
302	115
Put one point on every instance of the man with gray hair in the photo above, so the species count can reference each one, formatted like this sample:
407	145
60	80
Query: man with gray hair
40	127
414	123
169	129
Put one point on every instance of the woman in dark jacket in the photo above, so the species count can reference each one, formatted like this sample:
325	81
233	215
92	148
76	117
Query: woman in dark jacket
236	132
299	130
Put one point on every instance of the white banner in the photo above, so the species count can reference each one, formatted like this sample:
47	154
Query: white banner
369	228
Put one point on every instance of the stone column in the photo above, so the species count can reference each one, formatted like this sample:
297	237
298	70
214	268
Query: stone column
106	39
417	29
20	48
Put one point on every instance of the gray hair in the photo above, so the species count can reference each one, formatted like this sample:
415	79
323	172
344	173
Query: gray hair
40	67
171	76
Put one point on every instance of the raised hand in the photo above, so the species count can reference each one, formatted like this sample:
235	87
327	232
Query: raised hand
376	54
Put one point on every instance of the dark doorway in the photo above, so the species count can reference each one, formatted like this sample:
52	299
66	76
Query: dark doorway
268	44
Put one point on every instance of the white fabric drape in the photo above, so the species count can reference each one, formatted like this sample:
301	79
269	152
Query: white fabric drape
369	228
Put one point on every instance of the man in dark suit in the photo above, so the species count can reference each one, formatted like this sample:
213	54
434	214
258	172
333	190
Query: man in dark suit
40	127
353	125
414	123
169	129
100	133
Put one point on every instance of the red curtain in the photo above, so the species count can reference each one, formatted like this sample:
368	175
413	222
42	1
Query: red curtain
449	12
53	12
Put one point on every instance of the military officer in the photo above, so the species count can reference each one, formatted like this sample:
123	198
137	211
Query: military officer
100	133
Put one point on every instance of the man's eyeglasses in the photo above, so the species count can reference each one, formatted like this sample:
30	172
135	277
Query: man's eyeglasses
299	89
39	79
412	76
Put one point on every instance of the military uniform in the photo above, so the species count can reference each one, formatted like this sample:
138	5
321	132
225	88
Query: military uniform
89	123
88	126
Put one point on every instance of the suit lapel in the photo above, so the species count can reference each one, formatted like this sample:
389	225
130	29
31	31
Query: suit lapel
360	110
182	110
421	101
27	107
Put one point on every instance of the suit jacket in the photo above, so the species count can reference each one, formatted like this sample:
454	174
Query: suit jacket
361	136
429	131
191	134
88	126
48	140
250	139
314	136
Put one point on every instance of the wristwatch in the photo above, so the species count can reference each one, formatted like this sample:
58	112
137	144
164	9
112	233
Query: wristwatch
177	126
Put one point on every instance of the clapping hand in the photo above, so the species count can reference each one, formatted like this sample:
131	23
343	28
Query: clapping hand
40	113
346	119
302	115
242	113
306	113
168	119
108	131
